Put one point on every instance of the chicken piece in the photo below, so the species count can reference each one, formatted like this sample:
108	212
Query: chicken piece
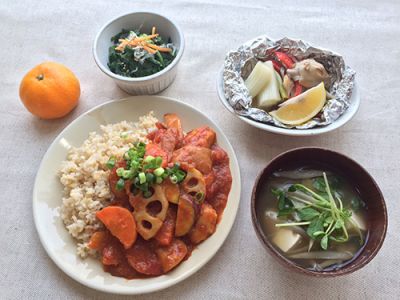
172	255
193	156
167	139
155	150
205	225
202	136
309	73
173	121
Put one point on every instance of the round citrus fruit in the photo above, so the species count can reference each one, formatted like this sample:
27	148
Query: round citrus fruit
50	90
301	108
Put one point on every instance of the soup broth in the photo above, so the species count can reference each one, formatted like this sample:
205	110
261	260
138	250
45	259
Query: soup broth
298	216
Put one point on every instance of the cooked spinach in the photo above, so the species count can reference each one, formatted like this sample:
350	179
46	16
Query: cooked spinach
136	61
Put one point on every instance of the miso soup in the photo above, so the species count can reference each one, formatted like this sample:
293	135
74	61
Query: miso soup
314	217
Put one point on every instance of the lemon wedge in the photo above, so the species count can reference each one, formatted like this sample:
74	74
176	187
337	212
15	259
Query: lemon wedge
301	108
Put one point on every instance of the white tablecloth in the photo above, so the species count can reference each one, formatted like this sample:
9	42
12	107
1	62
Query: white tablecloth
367	34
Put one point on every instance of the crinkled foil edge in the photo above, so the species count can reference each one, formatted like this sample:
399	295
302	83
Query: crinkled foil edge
239	63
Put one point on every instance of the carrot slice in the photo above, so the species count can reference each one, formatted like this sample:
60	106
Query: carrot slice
145	47
149	37
161	49
120	222
98	240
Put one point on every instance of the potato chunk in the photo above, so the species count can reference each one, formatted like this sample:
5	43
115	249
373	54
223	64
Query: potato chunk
171	191
186	215
205	225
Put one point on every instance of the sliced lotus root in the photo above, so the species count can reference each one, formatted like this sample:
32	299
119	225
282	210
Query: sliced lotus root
150	212
194	184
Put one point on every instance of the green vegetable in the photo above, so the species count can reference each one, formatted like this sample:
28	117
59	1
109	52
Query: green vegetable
120	171
149	159
282	90
159	171
135	61
199	197
308	213
322	211
142	177
144	172
120	184
111	162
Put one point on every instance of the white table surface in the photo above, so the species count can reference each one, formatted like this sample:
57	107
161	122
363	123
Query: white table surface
366	33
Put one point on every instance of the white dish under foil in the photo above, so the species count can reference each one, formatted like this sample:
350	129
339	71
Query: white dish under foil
239	63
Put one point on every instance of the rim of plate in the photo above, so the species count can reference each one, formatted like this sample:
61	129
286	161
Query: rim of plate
343	119
123	290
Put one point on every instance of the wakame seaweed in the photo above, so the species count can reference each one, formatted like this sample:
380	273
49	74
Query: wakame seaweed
136	61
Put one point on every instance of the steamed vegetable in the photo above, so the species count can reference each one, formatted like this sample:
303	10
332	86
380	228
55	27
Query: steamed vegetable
259	77
269	96
137	54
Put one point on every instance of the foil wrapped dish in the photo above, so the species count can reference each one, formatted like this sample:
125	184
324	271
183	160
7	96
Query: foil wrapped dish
287	84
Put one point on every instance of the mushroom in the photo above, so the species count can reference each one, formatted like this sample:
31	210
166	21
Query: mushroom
308	73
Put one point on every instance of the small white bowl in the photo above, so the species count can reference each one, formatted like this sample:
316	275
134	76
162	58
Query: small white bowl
147	85
343	119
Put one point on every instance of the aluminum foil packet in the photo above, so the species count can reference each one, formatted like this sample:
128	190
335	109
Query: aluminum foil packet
239	64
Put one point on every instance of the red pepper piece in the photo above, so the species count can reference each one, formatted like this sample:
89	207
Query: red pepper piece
298	89
285	59
277	66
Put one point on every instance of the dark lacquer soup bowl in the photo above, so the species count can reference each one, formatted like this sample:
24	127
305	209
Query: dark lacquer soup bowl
375	209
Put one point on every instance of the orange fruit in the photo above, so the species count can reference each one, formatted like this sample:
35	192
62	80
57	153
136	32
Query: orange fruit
50	90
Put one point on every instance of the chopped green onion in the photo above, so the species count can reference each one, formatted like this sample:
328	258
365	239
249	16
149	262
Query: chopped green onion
134	165
127	174
120	184
159	180
147	194
180	175
159	161
143	187
150	177
159	171
173	178
111	162
149	159
120	171
199	197
142	177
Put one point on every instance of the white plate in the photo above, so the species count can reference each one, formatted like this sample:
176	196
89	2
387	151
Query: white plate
47	195
343	119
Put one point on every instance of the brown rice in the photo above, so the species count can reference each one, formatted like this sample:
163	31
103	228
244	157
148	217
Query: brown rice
84	176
